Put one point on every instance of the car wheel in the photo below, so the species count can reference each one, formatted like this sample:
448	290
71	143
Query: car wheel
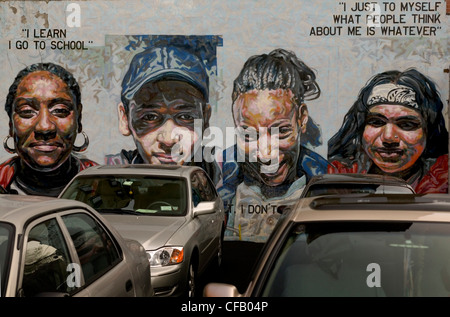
192	279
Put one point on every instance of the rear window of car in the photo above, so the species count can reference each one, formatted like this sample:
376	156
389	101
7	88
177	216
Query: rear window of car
357	258
146	195
6	243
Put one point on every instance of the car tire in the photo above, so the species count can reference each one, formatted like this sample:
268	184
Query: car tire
191	280
220	253
219	256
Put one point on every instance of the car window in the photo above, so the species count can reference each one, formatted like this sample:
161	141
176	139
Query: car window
96	250
131	194
209	192
46	260
202	189
6	243
196	189
362	259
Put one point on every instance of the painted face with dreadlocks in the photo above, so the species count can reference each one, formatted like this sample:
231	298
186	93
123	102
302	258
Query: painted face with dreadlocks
269	127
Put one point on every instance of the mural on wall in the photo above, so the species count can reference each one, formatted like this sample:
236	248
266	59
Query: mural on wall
44	109
395	127
261	104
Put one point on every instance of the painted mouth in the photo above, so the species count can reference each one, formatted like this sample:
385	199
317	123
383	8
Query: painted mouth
165	158
45	147
390	153
273	169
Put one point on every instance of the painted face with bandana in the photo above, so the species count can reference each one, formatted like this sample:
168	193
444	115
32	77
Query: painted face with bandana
394	136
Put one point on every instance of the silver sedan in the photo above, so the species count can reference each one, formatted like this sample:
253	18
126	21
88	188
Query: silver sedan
57	247
173	211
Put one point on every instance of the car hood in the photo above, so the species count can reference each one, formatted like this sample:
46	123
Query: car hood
152	232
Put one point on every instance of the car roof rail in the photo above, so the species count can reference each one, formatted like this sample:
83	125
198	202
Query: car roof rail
353	199
146	166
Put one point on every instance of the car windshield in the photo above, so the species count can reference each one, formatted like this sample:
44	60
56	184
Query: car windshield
362	259
6	242
143	195
346	188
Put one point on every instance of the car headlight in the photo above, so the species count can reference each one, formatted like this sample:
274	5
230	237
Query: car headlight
166	256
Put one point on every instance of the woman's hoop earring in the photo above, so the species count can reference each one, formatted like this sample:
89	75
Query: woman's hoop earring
5	145
85	144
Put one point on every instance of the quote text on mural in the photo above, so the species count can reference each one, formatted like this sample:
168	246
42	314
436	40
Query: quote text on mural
52	38
376	18
42	39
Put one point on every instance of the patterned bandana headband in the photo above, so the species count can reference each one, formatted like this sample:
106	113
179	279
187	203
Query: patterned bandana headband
392	94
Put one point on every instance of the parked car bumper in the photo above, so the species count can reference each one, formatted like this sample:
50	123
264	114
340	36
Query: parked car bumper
169	280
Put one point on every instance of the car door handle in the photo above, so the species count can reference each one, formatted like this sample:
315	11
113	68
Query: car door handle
128	286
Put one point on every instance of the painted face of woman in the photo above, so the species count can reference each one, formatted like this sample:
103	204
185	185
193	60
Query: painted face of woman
44	120
394	137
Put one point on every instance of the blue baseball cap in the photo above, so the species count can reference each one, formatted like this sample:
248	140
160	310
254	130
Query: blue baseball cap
164	63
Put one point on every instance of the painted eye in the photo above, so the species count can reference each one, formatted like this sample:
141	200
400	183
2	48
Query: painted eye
186	117
285	131
151	117
61	112
409	125
25	110
375	122
26	113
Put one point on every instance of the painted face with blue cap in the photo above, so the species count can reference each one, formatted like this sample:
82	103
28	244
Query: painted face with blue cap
166	119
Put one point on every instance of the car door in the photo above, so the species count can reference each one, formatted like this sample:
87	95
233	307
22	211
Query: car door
44	260
64	255
100	257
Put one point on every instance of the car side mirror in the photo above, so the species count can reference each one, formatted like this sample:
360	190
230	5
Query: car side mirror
204	207
220	290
